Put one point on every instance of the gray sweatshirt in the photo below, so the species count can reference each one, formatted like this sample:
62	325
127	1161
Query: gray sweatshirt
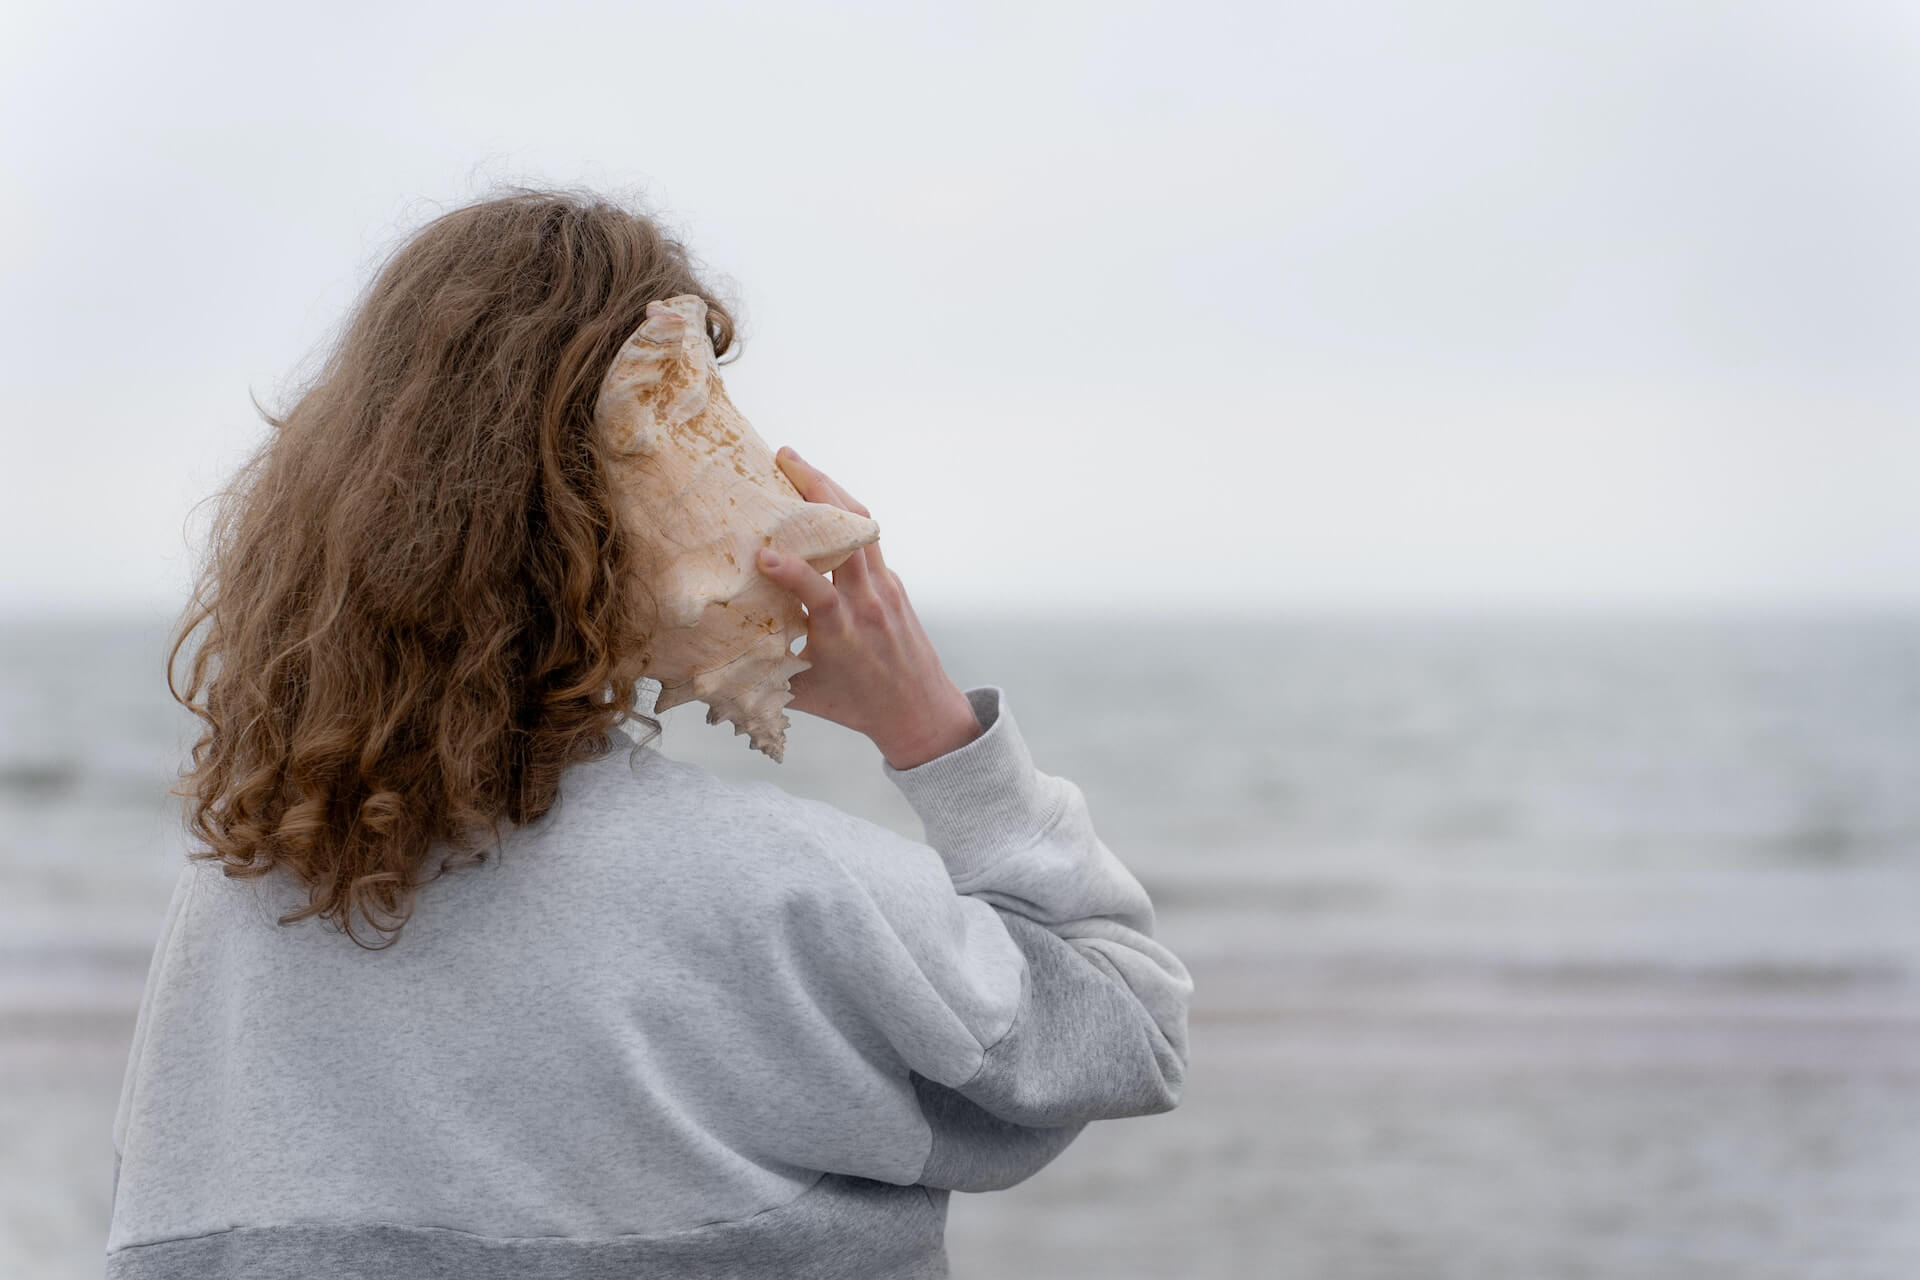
677	1027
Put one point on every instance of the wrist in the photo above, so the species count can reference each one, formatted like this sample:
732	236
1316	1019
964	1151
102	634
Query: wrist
951	727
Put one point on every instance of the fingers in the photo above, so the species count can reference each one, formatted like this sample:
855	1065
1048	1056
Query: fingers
819	596
816	485
852	573
874	562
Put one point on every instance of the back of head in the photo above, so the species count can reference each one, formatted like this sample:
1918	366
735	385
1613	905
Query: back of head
416	608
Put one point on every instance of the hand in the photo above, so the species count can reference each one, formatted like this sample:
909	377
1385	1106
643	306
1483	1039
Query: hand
874	669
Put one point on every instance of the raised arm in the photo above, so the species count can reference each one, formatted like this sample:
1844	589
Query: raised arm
1009	962
1033	996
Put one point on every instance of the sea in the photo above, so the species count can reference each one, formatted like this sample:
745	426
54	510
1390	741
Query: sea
1525	946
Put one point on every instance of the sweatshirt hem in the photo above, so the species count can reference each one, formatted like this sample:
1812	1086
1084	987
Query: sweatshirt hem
841	1226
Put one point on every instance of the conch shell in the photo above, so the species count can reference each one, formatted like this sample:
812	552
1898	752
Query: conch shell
699	492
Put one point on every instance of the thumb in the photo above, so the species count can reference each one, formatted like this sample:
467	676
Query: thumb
814	590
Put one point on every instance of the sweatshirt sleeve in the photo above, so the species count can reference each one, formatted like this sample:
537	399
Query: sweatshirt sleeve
1035	997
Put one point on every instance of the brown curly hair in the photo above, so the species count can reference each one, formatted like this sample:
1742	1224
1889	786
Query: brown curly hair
418	607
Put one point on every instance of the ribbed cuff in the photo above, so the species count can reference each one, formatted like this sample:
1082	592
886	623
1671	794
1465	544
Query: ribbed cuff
981	801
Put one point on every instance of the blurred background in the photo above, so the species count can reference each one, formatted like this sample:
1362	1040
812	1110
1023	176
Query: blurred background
1441	479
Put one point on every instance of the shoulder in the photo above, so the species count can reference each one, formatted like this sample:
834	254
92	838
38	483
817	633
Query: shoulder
669	817
635	789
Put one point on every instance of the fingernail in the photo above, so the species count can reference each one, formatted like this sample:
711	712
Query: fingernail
769	557
793	453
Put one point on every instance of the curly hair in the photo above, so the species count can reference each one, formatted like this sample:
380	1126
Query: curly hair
418	606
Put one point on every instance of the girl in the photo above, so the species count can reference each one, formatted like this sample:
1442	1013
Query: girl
465	981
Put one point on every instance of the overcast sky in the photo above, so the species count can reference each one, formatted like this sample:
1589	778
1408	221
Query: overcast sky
1160	307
